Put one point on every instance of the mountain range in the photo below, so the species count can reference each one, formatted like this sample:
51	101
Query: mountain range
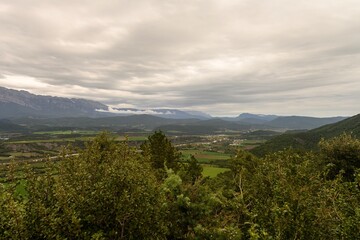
16	104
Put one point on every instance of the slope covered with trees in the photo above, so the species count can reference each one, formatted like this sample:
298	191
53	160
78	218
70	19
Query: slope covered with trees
298	122
309	140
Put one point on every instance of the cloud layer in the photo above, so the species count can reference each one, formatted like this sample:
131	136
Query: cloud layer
223	57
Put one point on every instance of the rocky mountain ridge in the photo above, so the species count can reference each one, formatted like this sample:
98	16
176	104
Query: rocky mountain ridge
14	103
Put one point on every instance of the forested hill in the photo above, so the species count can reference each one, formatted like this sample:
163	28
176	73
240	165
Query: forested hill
309	140
299	122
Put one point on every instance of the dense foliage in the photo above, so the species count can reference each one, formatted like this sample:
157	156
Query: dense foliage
112	191
161	153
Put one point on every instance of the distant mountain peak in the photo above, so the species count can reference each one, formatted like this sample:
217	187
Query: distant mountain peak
21	103
263	117
15	103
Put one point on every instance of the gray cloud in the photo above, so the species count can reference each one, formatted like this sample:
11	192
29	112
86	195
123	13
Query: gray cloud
222	57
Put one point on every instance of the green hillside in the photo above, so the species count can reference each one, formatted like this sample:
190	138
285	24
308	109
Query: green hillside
299	122
309	140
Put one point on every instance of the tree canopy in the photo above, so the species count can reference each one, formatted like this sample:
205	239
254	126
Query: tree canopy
112	191
161	153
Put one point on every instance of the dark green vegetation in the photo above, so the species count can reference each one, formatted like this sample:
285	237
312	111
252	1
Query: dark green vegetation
309	140
110	190
297	122
212	171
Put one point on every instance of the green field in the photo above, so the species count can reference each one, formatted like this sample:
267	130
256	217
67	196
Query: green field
52	140
212	171
15	155
67	132
204	156
132	138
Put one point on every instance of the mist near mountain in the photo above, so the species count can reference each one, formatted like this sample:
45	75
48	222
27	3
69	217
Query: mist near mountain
22	104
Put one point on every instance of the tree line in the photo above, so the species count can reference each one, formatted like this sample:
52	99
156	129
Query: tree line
114	191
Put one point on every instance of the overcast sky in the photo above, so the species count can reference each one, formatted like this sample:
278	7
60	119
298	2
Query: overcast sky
224	57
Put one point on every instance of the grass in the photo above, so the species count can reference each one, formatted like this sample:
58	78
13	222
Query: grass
5	158
205	156
67	132
17	155
212	171
51	140
132	138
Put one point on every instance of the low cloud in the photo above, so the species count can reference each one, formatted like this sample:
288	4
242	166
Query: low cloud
135	111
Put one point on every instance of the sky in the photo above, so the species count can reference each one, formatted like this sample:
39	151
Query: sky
223	57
